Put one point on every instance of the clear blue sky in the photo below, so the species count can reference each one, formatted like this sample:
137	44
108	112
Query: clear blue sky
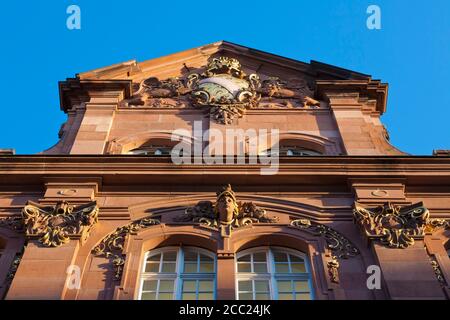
411	52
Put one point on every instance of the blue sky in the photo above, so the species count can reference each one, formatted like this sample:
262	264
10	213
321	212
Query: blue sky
411	52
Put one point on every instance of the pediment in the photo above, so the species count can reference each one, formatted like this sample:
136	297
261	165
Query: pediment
168	81
252	61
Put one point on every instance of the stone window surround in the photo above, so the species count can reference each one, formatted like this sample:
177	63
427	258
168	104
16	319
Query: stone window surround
287	237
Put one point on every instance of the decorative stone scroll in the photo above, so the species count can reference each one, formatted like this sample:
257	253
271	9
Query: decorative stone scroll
54	225
339	245
395	226
224	89
112	245
226	212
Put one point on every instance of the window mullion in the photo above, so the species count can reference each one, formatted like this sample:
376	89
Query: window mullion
179	270
273	283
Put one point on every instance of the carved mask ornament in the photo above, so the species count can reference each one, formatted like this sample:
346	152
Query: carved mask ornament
54	226
226	208
226	211
395	226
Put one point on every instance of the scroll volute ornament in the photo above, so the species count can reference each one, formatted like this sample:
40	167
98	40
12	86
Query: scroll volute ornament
395	226
55	225
225	212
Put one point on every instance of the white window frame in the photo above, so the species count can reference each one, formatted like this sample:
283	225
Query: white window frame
271	275
178	276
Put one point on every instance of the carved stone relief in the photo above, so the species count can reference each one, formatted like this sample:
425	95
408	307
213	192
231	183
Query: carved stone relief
226	211
339	245
54	225
395	226
224	90
113	244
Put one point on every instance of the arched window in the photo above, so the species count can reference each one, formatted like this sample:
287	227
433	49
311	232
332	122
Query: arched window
152	150
178	273
290	151
272	273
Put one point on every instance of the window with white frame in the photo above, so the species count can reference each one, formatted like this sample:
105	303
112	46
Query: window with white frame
178	273
272	273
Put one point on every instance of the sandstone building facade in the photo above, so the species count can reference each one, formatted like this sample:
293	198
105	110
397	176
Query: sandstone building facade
107	213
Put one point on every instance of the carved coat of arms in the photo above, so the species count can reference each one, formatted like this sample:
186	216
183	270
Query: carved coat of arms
223	89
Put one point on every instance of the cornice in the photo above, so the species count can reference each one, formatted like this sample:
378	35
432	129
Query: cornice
420	170
366	88
75	91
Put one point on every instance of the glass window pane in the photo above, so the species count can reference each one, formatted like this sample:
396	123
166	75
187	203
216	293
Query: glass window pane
189	296
190	267
261	285
285	296
259	256
260	267
189	285
152	267
284	286
205	258
168	267
262	296
170	256
190	256
244	267
280	256
205	285
295	258
303	296
154	258
166	286
282	268
149	285
165	296
245	285
205	296
301	286
298	267
206	267
244	258
148	296
245	296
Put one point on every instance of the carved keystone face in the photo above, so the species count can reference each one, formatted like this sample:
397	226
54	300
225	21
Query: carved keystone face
226	207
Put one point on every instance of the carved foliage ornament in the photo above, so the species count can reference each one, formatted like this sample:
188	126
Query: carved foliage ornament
113	244
224	89
339	245
395	226
226	211
55	225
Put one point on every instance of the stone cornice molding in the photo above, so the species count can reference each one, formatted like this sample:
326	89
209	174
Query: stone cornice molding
76	92
31	169
371	89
